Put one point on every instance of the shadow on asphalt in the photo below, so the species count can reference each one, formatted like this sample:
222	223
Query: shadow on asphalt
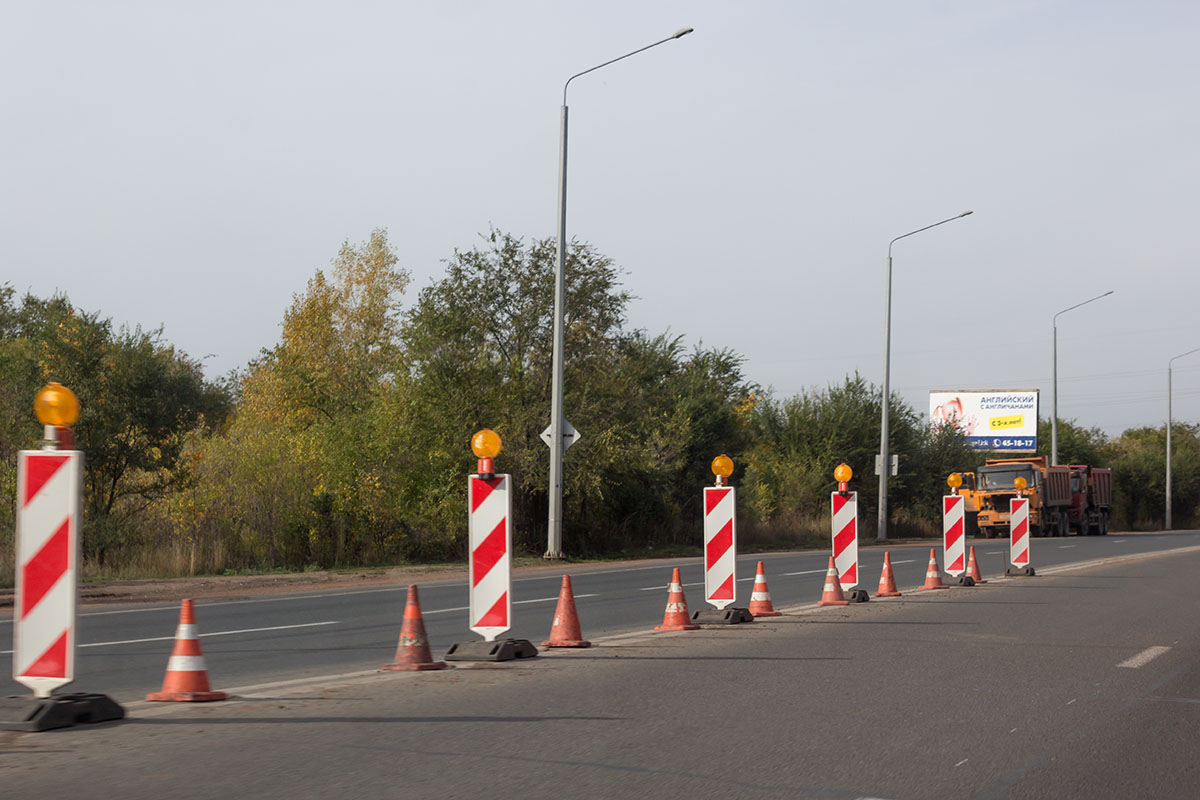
350	720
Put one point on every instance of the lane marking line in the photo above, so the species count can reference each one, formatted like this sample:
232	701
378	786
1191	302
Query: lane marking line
965	760
1144	657
807	572
202	636
1065	546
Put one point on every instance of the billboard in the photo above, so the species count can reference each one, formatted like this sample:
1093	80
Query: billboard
1003	420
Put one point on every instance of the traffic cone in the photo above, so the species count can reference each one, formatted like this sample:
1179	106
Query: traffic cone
186	680
760	596
412	652
887	581
676	617
933	576
973	568
832	596
565	631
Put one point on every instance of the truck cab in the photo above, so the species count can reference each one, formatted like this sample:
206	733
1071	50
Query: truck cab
1047	487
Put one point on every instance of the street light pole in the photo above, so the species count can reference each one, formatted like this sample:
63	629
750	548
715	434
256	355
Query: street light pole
554	528
1170	424
1054	378
885	465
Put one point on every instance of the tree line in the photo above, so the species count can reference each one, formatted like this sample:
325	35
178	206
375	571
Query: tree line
347	442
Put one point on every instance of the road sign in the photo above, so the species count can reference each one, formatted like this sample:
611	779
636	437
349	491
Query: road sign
895	461
570	436
720	545
845	537
1018	531
490	542
47	531
954	542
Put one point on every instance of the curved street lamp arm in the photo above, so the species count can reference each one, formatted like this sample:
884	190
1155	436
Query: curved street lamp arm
1181	355
1077	305
927	227
677	34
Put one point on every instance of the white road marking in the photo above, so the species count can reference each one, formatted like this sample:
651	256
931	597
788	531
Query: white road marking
548	599
1118	541
1065	546
1144	657
202	636
993	552
965	760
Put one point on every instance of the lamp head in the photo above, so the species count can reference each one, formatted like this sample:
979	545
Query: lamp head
56	405
966	214
486	444
682	32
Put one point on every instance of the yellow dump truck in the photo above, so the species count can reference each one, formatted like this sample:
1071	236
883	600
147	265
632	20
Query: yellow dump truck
970	494
1048	489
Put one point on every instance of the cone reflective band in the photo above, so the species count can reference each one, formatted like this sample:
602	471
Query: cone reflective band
489	508
1018	531
47	533
845	537
954	543
720	545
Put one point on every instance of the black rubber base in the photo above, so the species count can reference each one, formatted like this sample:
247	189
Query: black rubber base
1022	572
57	711
965	580
722	616
499	650
857	596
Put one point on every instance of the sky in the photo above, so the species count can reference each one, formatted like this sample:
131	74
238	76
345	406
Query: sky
192	164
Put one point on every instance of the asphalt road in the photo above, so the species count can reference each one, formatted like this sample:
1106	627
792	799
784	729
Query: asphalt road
1080	682
124	649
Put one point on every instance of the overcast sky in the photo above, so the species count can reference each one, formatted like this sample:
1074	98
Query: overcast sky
191	164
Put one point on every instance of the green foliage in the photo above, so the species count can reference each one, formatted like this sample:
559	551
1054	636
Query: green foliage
139	397
1076	444
347	442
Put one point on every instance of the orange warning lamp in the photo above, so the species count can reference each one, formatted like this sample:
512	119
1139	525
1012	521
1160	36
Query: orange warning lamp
722	467
486	446
1020	484
842	474
56	405
954	480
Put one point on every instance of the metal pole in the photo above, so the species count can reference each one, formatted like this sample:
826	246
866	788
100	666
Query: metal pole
884	461
1054	379
1054	398
885	464
1171	424
554	524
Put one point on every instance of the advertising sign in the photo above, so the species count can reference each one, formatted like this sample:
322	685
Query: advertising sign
1003	420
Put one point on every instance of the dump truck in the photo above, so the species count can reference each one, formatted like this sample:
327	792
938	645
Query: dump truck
970	495
1048	489
1091	499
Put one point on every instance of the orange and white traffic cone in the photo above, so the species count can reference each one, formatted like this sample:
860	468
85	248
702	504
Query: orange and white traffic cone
186	680
973	568
565	632
933	576
412	652
832	595
760	596
887	581
676	617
